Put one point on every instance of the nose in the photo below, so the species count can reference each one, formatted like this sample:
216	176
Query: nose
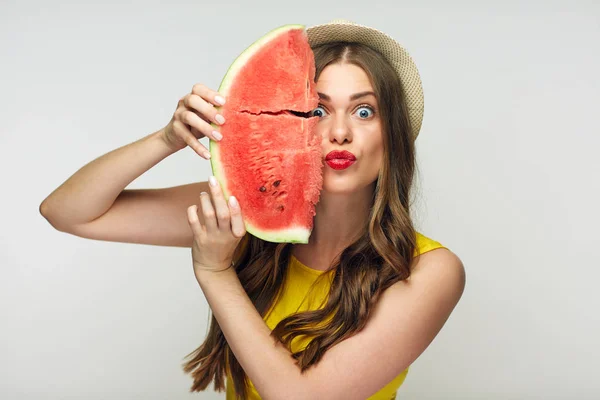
340	129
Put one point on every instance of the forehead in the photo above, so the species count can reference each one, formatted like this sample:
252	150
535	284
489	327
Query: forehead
343	78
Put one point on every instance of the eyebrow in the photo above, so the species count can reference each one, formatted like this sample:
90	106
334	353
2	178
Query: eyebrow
353	97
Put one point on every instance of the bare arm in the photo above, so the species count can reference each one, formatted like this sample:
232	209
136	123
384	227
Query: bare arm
93	202
91	191
146	216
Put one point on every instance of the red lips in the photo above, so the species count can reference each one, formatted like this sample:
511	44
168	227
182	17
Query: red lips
342	155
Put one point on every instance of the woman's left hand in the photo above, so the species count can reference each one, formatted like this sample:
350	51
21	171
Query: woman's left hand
216	239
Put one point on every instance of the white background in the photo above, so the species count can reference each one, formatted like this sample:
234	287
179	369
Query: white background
508	155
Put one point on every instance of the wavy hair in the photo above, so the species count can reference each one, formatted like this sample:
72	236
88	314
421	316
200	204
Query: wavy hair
381	256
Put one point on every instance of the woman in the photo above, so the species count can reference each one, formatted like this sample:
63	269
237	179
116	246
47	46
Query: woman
341	317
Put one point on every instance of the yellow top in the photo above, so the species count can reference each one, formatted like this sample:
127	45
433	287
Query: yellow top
298	282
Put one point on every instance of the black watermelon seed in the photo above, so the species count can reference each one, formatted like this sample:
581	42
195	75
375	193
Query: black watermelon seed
276	183
263	189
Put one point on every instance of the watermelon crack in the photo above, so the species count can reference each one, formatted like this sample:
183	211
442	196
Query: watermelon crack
282	112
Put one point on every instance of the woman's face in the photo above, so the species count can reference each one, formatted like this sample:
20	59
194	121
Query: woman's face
349	120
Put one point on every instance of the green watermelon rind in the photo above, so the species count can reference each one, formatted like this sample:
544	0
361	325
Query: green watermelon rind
298	234
241	60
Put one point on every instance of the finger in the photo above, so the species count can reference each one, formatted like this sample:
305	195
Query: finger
208	94
221	208
194	222
237	221
183	132
207	110
208	212
194	121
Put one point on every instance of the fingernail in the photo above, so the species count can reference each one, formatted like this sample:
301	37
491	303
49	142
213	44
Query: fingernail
233	201
217	135
206	155
220	100
220	119
212	181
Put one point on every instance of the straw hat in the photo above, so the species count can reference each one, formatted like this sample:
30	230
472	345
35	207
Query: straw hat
340	30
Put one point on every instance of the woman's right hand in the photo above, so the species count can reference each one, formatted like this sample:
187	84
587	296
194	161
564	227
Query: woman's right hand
191	120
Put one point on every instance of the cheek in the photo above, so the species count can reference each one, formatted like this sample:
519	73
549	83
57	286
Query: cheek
321	130
376	159
376	149
374	143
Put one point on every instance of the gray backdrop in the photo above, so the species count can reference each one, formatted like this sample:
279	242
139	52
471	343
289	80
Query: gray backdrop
508	159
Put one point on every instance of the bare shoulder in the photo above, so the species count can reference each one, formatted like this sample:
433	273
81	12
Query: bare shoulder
438	269
441	258
404	322
428	297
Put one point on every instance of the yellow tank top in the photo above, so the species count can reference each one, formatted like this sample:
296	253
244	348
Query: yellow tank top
294	299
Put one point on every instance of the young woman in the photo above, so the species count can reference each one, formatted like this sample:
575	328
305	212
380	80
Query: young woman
341	317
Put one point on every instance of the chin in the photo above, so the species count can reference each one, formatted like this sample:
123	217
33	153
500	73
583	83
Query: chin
342	186
338	190
347	184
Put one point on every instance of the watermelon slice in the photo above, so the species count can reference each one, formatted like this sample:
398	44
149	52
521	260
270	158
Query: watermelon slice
270	157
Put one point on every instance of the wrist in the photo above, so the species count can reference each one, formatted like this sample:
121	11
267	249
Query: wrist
204	275
214	269
160	138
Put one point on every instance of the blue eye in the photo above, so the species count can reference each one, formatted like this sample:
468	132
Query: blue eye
365	111
315	112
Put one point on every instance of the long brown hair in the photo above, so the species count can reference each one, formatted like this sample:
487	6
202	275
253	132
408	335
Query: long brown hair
381	256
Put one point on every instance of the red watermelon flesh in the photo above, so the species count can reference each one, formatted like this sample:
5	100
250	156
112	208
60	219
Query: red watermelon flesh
270	158
277	74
